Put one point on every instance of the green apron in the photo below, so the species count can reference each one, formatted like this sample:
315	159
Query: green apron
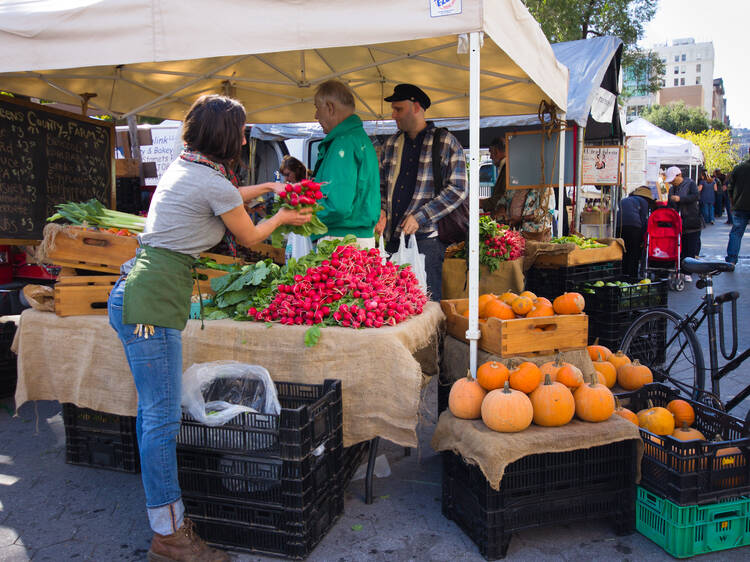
158	289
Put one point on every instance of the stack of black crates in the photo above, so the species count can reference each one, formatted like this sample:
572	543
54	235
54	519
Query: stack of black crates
267	484
554	281
694	496
7	360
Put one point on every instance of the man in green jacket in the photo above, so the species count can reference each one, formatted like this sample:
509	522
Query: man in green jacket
348	167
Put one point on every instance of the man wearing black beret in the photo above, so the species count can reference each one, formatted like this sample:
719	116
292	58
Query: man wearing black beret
410	202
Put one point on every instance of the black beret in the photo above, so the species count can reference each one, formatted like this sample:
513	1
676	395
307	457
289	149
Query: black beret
410	92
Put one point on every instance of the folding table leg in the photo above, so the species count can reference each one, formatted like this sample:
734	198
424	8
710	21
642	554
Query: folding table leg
370	467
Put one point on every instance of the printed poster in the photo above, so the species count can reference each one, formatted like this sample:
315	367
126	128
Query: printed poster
601	165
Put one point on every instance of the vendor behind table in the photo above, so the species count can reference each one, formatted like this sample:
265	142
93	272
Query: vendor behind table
195	203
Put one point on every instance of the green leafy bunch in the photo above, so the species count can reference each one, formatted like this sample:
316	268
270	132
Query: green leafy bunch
579	241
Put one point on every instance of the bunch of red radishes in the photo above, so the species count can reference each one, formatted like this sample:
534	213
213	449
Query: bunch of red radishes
306	192
354	288
507	244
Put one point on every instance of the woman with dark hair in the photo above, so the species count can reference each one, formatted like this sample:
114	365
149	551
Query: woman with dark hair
292	169
707	188
195	203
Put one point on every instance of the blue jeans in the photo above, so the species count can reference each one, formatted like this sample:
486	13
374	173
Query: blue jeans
739	223
434	254
156	365
707	209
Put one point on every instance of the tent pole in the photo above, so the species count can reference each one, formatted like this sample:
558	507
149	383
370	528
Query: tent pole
472	334
561	188
579	180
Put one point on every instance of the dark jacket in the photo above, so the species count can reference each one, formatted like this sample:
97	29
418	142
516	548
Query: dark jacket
688	193
633	211
739	186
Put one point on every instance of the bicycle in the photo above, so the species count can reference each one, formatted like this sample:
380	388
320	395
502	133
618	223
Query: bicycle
667	343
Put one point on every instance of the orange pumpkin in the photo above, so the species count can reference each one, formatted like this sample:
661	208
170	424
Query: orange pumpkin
657	420
595	350
594	402
607	370
686	433
553	404
522	305
634	375
498	309
570	375
540	311
465	399
625	413
508	297
506	410
528	294
551	367
526	377
569	303
619	359
682	411
600	378
542	300
484	300
492	375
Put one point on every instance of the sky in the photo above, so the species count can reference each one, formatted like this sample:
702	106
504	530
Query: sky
727	24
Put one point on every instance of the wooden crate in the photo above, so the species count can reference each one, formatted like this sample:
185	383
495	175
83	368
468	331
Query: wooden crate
77	295
522	336
91	250
268	251
580	256
205	285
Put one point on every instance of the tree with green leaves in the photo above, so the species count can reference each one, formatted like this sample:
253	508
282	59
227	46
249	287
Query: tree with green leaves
568	20
717	149
677	118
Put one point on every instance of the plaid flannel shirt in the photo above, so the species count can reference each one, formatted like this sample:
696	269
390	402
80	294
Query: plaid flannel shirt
426	208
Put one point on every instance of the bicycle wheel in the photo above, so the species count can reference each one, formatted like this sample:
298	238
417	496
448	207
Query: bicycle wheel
660	340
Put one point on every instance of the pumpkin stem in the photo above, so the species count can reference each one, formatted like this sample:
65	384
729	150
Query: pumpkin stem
468	375
636	362
684	426
547	379
650	403
596	341
506	387
618	404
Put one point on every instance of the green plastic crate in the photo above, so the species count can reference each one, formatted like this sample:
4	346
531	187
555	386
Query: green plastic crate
695	529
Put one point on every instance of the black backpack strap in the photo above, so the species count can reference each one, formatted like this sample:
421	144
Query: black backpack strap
437	170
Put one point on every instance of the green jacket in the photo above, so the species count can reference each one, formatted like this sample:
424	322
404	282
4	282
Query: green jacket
348	163
739	186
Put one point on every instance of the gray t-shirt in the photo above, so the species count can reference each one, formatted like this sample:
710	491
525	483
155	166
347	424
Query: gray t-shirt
184	212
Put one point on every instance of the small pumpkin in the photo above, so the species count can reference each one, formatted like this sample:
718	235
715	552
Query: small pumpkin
607	370
498	309
634	375
619	359
465	398
528	294
526	377
551	367
492	375
594	402
625	413
553	403
508	297
570	375
685	433
682	411
542	301
569	303
540	311
484	300
507	410
522	305
657	420
595	350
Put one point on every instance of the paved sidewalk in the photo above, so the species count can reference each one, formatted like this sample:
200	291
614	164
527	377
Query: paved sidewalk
53	511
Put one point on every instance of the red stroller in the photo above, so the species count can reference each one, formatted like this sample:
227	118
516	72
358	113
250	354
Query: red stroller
663	245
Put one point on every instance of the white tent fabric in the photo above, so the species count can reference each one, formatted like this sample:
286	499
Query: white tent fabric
154	57
664	147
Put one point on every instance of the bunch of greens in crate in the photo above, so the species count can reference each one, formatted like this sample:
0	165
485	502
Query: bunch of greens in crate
579	241
93	213
298	196
497	243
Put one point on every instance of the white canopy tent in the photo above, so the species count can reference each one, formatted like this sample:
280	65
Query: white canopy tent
154	57
664	147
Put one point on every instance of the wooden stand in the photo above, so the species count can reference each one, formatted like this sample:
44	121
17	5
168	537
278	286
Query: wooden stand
83	294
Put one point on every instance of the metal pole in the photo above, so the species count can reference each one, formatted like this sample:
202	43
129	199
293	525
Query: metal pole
579	180
472	334
561	179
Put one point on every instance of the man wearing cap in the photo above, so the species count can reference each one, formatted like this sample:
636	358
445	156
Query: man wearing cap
632	220
684	196
408	201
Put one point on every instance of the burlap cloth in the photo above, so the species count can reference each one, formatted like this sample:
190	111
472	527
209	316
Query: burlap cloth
79	359
493	451
508	277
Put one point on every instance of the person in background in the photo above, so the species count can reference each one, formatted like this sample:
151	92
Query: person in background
707	189
739	191
523	210
662	188
497	154
292	170
725	198
195	203
719	199
632	221
684	196
408	202
347	166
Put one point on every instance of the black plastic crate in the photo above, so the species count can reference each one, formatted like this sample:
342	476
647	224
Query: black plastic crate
310	416
491	528
554	282
265	539
689	472
611	326
100	440
273	482
620	299
351	459
8	375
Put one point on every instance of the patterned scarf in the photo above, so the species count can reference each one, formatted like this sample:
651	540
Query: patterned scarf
200	158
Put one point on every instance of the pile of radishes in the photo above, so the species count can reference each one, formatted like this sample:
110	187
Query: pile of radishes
354	288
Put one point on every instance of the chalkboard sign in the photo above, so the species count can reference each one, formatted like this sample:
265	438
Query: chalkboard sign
48	157
524	166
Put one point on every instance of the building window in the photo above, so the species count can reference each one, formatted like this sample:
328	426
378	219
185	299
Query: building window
697	79
682	81
682	69
698	56
662	83
677	58
676	69
676	82
698	67
664	61
682	58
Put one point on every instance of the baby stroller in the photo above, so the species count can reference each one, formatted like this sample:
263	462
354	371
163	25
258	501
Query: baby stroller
663	245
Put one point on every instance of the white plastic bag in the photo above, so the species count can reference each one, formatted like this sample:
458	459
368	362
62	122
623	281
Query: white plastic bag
231	389
409	254
380	245
301	245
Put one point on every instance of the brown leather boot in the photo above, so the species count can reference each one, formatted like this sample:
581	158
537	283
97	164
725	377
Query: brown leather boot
183	546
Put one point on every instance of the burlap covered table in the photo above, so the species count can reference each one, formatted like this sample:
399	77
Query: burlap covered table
79	359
